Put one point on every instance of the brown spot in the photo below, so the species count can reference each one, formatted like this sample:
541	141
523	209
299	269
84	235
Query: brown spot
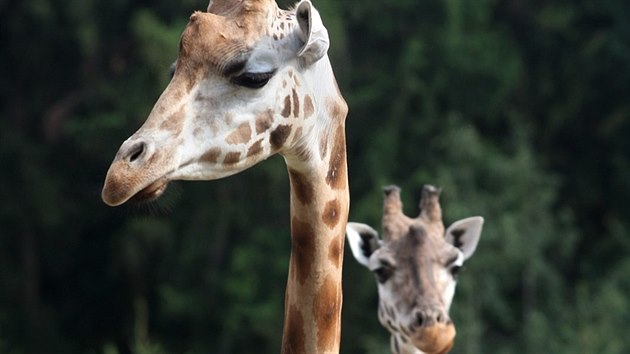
232	158
296	104
175	122
309	109
255	149
337	109
326	311
275	37
323	146
302	249
331	213
263	121
286	109
241	135
211	156
335	251
336	176
281	25
293	341
301	187
279	136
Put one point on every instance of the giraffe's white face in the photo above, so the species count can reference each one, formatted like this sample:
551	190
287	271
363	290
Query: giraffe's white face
416	275
246	85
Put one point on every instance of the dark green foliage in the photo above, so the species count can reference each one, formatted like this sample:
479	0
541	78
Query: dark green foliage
518	110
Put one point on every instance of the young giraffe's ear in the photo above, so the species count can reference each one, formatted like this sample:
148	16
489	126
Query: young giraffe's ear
464	234
312	33
363	241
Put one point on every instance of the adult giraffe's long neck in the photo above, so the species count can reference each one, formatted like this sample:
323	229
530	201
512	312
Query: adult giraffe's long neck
319	213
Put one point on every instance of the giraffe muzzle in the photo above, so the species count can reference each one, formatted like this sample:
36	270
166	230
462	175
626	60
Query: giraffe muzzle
138	173
435	339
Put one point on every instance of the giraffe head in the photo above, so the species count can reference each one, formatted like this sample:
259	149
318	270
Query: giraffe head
251	80
416	266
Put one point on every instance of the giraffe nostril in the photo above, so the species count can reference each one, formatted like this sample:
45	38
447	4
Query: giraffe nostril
419	319
136	151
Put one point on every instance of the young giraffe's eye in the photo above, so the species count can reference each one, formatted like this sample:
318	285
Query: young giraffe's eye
252	80
455	270
383	274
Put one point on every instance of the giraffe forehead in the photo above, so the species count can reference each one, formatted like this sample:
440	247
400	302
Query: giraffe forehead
235	42
216	40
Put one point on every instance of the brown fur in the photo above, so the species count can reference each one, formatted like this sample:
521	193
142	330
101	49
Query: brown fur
255	149
279	136
174	123
335	251
293	342
331	213
302	249
336	176
296	104
232	158
302	187
326	306
211	156
286	109
309	109
241	135
263	121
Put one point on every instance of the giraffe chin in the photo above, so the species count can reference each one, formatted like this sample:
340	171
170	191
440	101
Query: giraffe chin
151	192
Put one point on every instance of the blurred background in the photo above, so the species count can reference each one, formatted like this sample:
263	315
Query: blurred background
518	109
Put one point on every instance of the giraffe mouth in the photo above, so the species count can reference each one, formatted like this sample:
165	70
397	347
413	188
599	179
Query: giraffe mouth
151	192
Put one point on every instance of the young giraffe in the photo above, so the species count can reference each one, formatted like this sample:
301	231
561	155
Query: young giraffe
252	80
416	266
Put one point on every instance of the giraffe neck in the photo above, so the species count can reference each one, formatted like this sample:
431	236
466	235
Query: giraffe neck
319	212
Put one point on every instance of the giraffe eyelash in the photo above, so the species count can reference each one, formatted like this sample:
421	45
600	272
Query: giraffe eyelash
252	80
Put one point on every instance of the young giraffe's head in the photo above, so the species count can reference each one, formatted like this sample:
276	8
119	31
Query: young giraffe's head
251	80
416	266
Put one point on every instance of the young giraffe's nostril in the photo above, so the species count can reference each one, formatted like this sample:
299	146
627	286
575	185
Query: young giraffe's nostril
419	319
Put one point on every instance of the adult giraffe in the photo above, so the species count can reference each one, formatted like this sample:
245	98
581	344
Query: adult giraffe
252	80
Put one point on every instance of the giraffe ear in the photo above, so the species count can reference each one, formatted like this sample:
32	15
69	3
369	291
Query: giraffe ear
312	33
363	241
464	234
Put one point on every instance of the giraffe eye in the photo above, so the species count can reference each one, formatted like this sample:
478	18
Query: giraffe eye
383	274
385	271
455	270
252	80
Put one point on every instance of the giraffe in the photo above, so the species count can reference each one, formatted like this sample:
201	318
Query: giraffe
252	80
416	266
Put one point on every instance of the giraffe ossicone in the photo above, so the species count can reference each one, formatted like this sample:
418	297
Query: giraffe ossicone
250	81
416	266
